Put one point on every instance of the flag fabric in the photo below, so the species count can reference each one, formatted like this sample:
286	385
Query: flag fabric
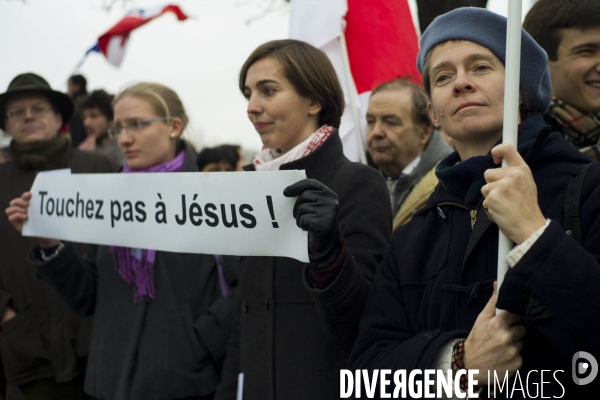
381	41
112	43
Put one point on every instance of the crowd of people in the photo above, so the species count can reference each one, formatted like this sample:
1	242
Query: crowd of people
403	268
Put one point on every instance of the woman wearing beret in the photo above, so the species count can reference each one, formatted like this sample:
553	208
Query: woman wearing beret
280	350
433	299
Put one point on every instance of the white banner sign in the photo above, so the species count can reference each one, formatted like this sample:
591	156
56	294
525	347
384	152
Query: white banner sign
227	213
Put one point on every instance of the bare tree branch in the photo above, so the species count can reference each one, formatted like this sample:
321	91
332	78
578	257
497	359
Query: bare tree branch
269	8
108	4
243	3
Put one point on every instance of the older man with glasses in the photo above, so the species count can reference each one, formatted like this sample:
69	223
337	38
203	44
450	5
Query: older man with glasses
44	344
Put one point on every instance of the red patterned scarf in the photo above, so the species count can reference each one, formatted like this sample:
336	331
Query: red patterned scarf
582	130
272	159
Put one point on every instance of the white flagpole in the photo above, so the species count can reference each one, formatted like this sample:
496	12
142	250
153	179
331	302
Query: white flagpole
351	91
511	109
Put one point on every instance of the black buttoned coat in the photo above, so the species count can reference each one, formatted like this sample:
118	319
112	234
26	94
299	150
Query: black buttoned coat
167	348
280	343
437	277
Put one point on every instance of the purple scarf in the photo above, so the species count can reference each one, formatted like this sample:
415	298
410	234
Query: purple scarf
136	266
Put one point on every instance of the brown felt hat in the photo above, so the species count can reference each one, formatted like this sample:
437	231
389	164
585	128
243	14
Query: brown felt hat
30	82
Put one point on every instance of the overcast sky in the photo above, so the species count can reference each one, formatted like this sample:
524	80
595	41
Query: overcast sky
199	58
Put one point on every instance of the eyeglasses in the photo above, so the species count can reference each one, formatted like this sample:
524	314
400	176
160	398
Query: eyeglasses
19	113
136	126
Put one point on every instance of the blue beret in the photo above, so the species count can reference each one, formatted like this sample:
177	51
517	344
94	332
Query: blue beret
488	29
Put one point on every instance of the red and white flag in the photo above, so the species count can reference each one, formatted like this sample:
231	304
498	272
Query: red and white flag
381	42
112	43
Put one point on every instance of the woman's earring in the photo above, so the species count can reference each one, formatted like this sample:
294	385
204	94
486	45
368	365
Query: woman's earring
172	134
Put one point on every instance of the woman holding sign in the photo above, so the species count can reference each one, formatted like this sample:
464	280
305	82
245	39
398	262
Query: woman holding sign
160	322
279	349
433	302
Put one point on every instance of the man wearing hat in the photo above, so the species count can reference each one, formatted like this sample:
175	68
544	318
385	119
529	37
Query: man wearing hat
44	344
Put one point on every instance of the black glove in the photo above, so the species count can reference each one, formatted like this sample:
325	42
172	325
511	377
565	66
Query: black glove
316	211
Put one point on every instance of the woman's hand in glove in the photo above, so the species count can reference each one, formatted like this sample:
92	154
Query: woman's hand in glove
316	211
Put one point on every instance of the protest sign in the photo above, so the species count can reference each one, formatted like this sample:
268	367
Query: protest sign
232	213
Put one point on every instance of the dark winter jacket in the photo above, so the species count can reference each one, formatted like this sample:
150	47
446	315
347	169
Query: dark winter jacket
46	339
167	348
437	276
280	343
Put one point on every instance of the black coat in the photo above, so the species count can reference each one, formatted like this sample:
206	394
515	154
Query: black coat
280	344
46	339
438	272
147	350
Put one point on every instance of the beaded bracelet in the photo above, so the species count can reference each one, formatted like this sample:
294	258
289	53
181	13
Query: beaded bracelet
49	257
458	352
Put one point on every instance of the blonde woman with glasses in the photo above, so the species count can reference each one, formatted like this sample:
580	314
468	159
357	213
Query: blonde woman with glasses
158	320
